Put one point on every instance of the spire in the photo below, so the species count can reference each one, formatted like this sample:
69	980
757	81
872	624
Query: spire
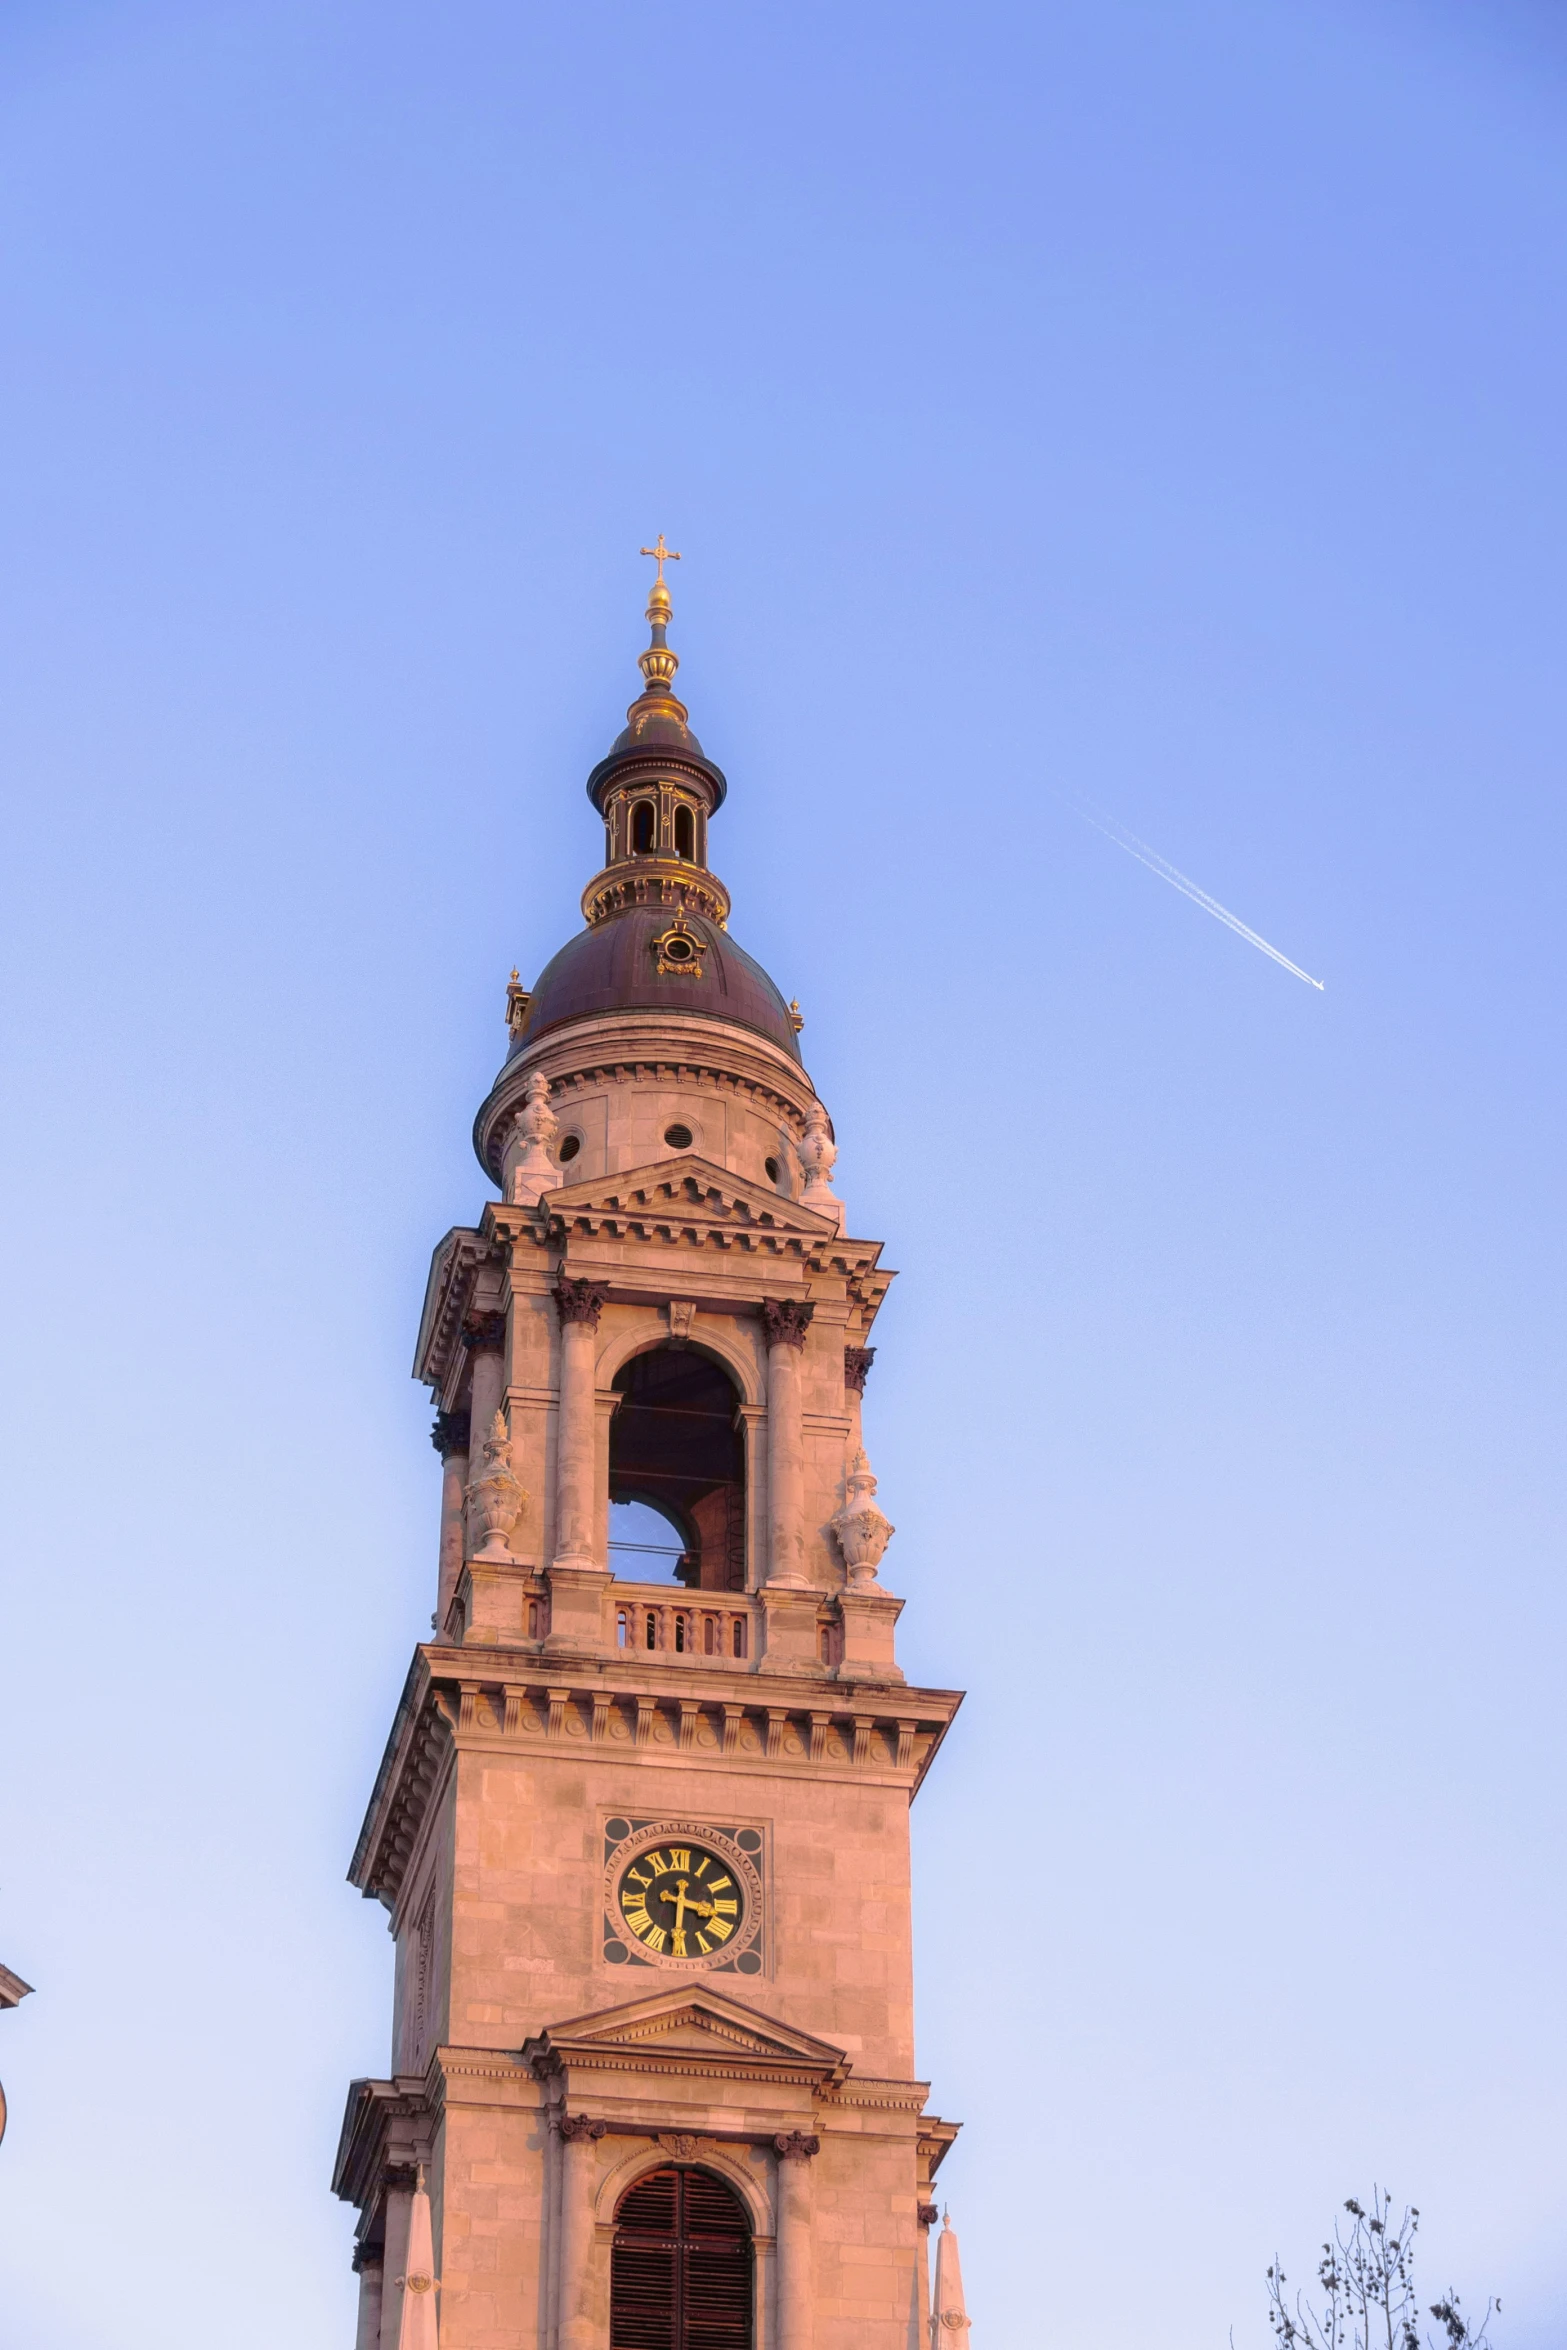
418	2327
658	664
657	748
949	2323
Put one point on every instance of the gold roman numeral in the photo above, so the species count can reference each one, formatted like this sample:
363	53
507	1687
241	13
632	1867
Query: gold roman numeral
658	1864
679	1950
679	1861
655	1937
720	1929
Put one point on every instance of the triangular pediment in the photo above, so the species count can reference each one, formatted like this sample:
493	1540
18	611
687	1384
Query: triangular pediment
688	2021
683	1188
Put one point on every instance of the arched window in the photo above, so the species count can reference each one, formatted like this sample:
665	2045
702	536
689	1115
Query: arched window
680	2267
675	1445
644	829
685	833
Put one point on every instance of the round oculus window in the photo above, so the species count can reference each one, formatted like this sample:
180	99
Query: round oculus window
569	1148
770	1169
678	949
678	1137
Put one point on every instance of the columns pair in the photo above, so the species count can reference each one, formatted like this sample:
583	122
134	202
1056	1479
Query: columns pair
579	2180
579	1304
455	1436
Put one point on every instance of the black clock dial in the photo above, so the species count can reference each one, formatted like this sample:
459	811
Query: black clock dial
682	1900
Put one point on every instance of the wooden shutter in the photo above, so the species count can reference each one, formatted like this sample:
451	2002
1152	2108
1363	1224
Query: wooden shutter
680	2270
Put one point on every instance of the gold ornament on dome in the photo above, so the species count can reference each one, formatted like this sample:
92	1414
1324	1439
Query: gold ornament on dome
678	952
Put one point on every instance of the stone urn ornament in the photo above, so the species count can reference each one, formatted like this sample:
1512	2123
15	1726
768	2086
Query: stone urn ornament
862	1532
530	1169
495	1498
818	1154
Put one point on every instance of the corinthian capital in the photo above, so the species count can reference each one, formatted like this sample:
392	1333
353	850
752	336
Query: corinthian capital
785	1321
481	1332
453	1432
580	1301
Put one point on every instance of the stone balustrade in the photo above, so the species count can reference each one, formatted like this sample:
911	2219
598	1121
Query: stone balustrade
702	1628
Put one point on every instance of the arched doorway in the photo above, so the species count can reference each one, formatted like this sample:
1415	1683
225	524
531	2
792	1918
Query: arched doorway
680	2268
675	1443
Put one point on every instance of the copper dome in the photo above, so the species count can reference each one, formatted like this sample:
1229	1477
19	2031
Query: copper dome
615	967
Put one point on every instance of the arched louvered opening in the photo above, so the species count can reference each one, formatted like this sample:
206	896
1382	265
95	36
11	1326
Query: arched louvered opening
680	2269
644	829
685	833
675	1445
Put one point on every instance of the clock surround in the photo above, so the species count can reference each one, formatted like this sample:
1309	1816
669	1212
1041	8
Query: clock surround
646	1860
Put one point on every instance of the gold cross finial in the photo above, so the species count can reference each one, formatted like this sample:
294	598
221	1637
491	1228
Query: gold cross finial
662	555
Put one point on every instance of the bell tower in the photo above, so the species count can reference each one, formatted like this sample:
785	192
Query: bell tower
643	1841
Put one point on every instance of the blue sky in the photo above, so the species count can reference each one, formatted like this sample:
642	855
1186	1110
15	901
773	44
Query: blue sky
1158	406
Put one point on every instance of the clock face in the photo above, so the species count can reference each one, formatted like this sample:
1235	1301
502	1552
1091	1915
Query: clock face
681	1898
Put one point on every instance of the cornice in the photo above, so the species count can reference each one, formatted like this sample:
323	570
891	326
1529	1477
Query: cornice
936	2140
371	2118
503	1701
413	1767
641	1046
751	2045
691	2064
687	1203
12	1988
454	1267
882	2096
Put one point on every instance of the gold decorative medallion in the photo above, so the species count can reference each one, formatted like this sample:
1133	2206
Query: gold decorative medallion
678	952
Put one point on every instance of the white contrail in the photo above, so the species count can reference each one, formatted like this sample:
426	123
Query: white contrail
1177	880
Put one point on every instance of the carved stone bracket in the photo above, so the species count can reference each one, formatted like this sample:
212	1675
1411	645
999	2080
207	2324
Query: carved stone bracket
484	1331
786	1321
400	2175
573	2126
368	2256
796	2145
928	2214
453	1432
580	1301
857	1361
